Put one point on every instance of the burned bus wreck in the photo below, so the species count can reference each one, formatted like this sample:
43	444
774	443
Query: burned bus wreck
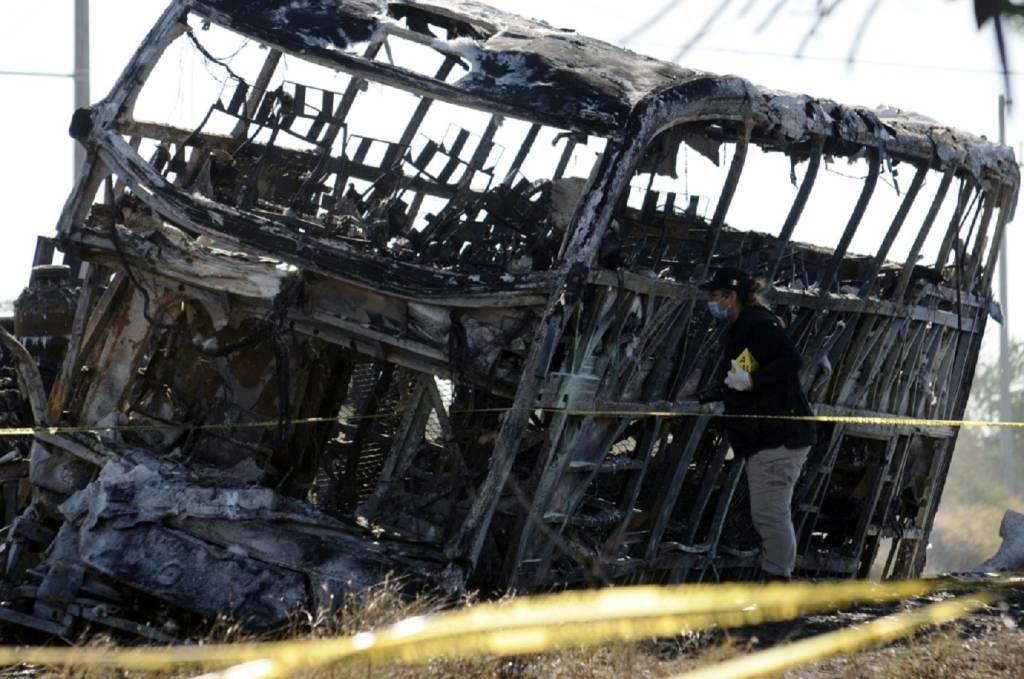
458	336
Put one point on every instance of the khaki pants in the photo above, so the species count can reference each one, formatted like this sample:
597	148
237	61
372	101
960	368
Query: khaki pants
772	475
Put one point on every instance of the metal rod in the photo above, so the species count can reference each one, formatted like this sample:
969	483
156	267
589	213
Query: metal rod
963	208
851	227
1005	405
993	197
890	237
81	75
732	180
256	93
796	209
35	74
922	234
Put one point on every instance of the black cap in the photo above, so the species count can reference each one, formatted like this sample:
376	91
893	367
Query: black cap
729	278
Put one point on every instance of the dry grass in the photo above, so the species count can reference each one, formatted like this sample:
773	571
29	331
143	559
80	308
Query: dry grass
644	659
993	649
947	655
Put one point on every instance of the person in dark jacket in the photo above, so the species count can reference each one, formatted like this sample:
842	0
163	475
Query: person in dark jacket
760	376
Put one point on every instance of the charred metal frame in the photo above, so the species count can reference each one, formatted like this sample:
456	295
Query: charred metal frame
511	417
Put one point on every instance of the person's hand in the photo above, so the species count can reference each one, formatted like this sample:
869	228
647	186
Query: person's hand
738	378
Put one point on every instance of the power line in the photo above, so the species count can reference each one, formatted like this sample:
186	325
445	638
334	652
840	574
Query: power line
842	60
35	74
862	29
770	17
703	30
654	19
822	14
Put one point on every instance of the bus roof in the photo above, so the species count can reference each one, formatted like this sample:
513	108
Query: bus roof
533	71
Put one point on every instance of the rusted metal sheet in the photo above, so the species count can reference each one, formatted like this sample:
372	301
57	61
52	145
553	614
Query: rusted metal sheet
307	353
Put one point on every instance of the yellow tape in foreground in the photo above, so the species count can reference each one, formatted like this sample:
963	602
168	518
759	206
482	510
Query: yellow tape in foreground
520	626
840	642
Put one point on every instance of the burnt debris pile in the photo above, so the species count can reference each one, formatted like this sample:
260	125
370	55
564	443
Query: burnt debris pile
397	287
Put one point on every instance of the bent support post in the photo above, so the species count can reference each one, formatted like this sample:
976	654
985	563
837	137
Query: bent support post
894	229
796	210
732	181
922	234
828	278
30	378
992	199
965	202
1006	210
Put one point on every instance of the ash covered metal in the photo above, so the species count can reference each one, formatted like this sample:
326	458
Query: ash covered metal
307	351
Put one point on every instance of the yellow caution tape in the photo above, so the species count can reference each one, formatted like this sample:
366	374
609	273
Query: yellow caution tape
520	626
876	633
887	420
893	421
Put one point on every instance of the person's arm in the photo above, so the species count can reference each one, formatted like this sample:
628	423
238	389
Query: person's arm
770	341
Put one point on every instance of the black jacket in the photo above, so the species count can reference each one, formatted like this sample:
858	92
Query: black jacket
776	389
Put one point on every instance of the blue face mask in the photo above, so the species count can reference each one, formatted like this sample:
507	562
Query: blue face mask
717	311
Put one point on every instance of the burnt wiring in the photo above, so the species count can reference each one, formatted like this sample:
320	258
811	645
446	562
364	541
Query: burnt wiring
272	326
212	59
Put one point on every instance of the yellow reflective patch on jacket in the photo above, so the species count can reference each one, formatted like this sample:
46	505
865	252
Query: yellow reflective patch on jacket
747	361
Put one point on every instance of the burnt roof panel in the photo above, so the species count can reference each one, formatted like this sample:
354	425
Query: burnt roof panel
529	69
514	62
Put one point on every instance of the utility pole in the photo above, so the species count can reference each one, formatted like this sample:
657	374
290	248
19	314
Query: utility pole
81	73
1005	405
